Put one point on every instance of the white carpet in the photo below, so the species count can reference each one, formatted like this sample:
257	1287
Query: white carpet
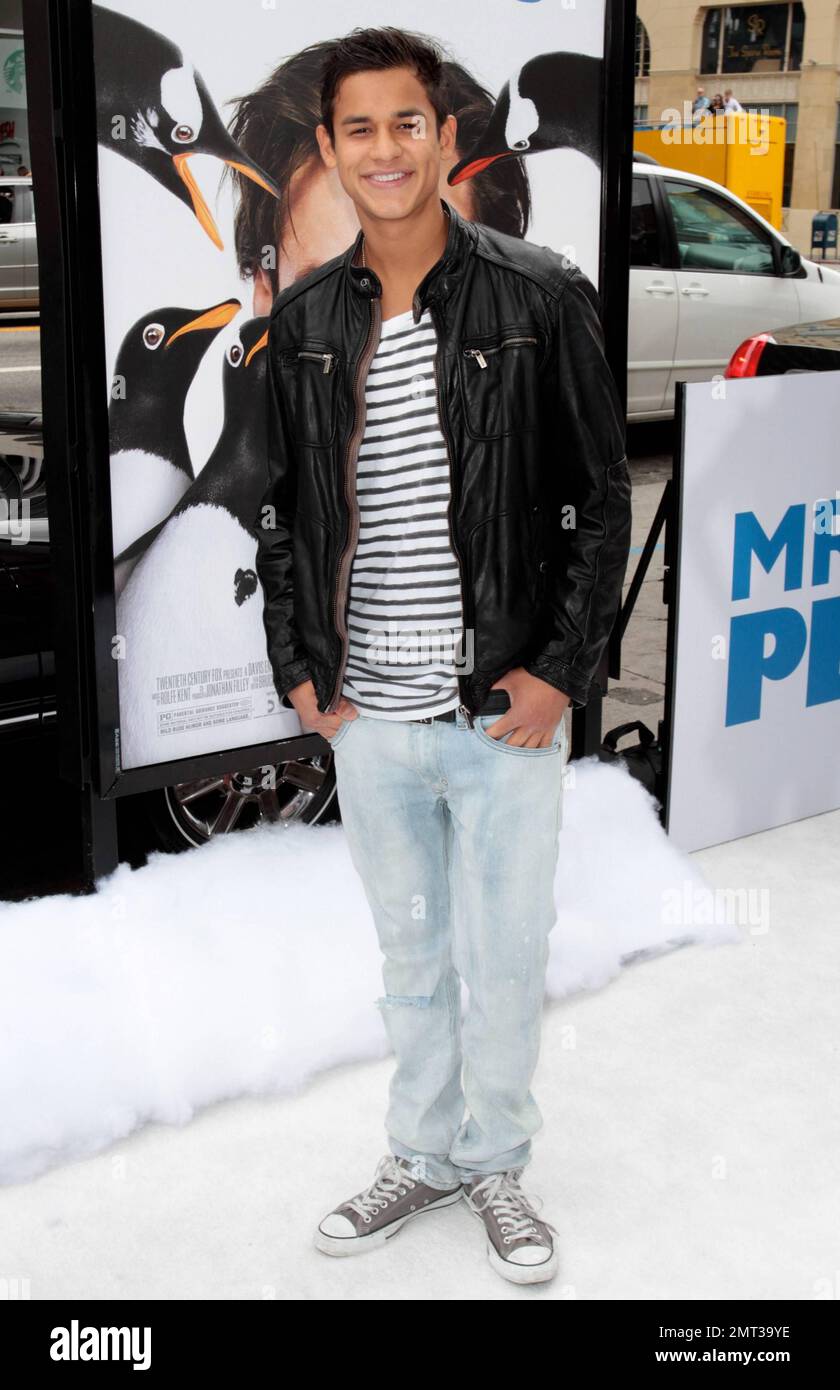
691	1111
251	964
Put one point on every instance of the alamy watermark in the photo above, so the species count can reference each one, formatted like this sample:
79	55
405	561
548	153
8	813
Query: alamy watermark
394	644
15	514
680	128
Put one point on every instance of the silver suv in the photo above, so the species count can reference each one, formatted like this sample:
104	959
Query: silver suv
18	246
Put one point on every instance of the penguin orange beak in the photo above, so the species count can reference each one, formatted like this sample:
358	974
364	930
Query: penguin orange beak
214	318
200	207
258	345
475	167
254	176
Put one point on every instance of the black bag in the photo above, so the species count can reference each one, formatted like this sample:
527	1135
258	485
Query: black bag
642	759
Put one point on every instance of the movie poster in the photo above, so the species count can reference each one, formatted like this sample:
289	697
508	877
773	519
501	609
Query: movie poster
213	198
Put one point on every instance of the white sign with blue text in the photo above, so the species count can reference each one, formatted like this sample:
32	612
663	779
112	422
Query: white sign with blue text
756	699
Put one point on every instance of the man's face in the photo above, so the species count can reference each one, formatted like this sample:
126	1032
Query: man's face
323	220
386	148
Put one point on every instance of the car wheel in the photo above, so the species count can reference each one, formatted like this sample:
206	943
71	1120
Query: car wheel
188	814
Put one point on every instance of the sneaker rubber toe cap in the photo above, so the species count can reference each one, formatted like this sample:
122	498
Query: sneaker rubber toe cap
530	1255
337	1225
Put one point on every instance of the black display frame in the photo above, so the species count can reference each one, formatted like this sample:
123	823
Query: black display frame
58	39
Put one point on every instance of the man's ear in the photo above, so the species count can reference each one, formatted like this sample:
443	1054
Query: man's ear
325	145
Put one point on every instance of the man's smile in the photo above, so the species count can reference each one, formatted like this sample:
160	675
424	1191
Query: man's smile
395	179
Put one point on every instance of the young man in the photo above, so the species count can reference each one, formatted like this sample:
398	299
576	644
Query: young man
443	540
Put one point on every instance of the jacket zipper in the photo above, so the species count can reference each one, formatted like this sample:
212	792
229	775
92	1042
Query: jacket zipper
464	709
479	353
342	582
326	357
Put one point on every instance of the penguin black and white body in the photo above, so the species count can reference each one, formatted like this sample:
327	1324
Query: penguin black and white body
154	109
547	104
155	366
191	600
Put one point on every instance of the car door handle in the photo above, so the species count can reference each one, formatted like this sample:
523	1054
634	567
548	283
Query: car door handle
657	288
694	291
4	236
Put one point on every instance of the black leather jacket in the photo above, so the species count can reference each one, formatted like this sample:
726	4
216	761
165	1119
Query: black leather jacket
540	489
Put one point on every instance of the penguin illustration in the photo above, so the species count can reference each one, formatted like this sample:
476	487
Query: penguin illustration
155	366
190	601
154	109
546	105
234	475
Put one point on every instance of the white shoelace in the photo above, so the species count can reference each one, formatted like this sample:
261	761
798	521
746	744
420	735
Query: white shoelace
390	1177
509	1205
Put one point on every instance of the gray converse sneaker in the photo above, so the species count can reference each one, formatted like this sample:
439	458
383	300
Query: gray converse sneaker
374	1215
519	1244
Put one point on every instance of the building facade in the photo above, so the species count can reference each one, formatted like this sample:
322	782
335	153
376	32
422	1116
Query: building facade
782	57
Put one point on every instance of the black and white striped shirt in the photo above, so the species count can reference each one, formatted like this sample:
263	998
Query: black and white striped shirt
404	611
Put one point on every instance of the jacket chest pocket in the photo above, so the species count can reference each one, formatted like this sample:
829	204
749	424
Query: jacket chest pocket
311	375
499	382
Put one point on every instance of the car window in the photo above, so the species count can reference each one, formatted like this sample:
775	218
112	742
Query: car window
7	204
25	211
714	234
645	246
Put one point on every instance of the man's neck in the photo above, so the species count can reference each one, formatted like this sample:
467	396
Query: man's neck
401	253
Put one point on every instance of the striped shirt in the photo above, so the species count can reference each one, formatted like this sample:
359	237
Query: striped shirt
404	615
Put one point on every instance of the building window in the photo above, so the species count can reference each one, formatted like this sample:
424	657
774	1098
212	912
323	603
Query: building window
753	38
642	50
790	111
640	114
835	182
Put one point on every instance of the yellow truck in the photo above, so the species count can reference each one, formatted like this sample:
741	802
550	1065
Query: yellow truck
743	150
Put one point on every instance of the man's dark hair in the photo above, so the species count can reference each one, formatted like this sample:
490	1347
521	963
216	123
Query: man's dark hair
377	50
275	125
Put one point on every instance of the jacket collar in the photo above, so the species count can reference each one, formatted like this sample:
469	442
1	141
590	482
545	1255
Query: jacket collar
437	282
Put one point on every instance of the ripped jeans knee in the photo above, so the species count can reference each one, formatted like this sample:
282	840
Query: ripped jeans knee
392	1001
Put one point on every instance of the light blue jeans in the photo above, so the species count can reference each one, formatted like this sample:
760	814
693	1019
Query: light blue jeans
455	837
